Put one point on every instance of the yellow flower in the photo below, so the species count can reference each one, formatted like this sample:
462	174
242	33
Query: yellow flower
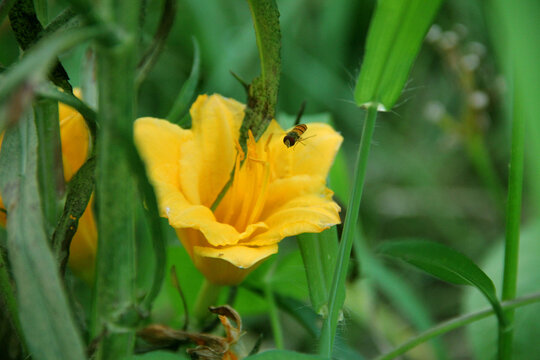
278	191
74	136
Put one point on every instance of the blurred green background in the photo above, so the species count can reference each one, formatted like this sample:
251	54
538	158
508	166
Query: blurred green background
437	169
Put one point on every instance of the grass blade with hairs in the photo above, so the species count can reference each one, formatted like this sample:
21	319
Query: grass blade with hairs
394	39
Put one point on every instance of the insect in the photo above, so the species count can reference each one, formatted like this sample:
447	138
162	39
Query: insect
295	135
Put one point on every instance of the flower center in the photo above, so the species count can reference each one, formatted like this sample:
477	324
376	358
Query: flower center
245	200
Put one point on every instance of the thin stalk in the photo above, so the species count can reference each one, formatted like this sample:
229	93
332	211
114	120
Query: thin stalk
208	296
313	266
337	291
455	323
513	217
50	167
274	316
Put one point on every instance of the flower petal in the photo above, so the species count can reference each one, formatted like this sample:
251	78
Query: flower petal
308	213
75	139
313	156
160	144
230	265
182	215
216	123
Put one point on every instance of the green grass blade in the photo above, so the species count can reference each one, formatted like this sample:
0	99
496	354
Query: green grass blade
446	264
337	290
447	326
46	319
181	105
394	39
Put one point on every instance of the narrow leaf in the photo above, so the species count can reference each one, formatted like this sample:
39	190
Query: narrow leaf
394	39
40	58
183	100
444	263
46	319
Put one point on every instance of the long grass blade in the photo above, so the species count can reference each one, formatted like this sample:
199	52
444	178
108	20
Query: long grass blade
46	318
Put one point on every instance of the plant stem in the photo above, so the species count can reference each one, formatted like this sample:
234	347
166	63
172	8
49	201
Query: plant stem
337	291
513	217
274	316
313	266
115	301
208	296
455	323
50	168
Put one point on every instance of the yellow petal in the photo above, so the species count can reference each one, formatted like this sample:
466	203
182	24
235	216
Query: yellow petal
310	213
182	214
230	265
161	145
216	123
313	156
75	139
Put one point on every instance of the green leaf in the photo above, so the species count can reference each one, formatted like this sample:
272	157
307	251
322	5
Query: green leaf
283	354
483	335
40	58
78	194
394	39
46	318
444	263
180	108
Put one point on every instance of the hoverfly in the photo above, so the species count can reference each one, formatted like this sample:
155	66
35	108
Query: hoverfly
295	135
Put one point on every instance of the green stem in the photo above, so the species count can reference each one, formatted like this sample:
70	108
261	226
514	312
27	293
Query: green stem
513	218
115	302
274	316
455	323
48	91
50	168
313	266
337	291
208	296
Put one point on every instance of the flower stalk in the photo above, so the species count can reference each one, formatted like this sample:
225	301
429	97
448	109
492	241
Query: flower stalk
208	296
513	219
337	291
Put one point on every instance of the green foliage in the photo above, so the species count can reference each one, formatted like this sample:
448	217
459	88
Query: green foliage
180	108
446	264
437	171
527	319
49	329
393	42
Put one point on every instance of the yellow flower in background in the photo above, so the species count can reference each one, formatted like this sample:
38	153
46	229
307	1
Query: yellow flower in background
75	139
278	192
